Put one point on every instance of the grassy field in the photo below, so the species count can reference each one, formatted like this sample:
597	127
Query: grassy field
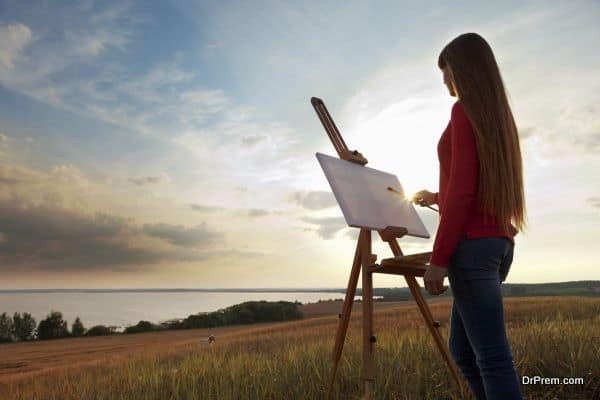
551	337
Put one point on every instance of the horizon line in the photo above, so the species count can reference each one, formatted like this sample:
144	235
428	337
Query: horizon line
233	289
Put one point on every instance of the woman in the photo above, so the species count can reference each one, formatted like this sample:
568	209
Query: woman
482	206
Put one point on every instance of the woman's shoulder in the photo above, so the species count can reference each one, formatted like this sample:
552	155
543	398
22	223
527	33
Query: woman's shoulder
458	115
458	109
462	129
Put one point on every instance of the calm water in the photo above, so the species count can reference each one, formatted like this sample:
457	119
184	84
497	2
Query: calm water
127	308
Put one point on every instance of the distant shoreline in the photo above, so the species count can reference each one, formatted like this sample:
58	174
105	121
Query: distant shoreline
176	290
590	283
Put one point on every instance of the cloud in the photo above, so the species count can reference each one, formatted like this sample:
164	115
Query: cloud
594	201
164	99
98	42
59	59
69	174
206	209
581	126
64	185
179	235
352	234
47	221
252	140
327	227
243	212
17	175
79	63
13	39
145	180
257	212
3	144
526	132
158	102
589	143
314	200
49	237
264	141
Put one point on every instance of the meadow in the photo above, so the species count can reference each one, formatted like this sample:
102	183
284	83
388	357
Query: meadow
550	337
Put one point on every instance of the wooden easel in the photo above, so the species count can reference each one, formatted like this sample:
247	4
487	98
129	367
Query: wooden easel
409	266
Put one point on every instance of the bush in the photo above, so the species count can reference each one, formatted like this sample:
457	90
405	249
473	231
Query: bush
172	324
53	327
143	326
100	330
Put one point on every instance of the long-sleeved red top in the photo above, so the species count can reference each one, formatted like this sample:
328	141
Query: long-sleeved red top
461	212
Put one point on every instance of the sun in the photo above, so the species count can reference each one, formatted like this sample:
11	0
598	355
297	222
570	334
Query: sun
400	139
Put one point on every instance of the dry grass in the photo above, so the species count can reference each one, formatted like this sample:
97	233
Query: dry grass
551	337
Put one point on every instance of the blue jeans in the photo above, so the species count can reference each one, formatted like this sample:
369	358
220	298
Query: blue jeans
478	341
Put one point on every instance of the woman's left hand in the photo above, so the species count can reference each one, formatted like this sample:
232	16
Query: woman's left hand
434	279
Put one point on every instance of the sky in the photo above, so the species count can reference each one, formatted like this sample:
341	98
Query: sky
172	144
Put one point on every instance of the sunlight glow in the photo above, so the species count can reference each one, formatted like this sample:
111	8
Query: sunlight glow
402	139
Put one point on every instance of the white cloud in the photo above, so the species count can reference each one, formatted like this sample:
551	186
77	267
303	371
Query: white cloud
70	174
68	40
314	199
326	227
594	201
150	180
91	45
13	39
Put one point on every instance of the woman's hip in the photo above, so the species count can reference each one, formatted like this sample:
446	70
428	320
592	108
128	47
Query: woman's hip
486	258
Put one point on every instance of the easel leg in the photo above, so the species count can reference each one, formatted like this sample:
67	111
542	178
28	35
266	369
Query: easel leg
434	330
346	311
368	373
415	290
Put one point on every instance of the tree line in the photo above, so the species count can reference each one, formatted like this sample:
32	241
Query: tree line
22	327
249	312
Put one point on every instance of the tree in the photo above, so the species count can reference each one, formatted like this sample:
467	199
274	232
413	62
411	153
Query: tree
77	329
53	327
143	326
100	330
23	326
6	328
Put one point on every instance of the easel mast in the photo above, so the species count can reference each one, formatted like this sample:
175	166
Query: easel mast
409	266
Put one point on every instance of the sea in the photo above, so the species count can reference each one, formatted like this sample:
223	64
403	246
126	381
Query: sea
122	308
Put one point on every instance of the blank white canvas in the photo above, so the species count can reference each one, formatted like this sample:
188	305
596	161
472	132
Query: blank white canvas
365	200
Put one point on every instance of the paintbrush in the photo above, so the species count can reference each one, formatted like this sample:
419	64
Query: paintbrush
391	189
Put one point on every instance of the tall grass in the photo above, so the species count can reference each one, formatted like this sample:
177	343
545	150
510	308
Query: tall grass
550	337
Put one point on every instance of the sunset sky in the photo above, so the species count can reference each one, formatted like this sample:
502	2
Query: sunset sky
173	144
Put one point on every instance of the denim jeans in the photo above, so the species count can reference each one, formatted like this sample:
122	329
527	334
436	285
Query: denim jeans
478	341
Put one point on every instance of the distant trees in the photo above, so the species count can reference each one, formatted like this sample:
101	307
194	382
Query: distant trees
77	329
143	326
249	312
6	328
19	327
23	326
517	290
53	327
100	330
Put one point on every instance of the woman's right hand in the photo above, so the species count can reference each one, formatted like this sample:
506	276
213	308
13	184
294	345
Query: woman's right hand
424	198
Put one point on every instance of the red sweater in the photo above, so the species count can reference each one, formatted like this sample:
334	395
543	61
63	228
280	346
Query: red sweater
460	209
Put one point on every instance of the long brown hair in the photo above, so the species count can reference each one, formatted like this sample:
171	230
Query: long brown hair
479	87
